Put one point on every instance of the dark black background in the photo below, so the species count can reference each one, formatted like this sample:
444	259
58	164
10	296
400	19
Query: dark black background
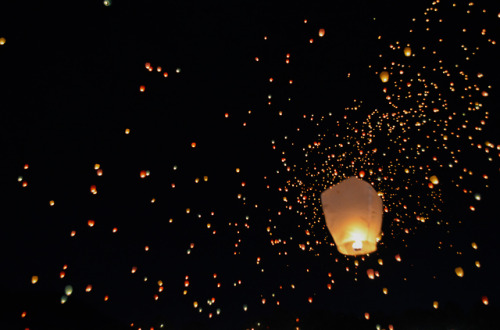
70	77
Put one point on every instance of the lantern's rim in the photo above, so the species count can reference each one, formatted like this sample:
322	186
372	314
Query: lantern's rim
347	248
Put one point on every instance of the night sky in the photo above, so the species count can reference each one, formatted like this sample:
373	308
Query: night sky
162	163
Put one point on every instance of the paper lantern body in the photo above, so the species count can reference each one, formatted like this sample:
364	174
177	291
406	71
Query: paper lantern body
353	213
384	76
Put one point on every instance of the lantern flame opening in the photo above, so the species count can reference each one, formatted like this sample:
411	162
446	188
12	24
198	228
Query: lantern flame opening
357	245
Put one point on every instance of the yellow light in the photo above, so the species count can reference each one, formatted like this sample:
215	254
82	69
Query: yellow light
357	245
384	76
459	271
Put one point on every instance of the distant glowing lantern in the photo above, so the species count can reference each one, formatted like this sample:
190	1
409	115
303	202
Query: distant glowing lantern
321	32
485	300
384	76
435	304
68	290
371	273
34	279
353	213
434	179
459	271
407	51
2	41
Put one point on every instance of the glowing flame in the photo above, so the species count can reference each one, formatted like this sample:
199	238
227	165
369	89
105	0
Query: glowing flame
357	245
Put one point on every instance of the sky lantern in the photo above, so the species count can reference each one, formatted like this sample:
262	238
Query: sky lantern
407	51
485	301
2	41
68	290
434	179
384	76
459	271
321	32
353	213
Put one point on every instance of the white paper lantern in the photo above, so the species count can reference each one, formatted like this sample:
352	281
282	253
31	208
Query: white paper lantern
353	213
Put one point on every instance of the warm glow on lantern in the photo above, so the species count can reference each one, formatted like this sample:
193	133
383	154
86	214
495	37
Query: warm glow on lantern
321	32
353	213
384	76
459	271
357	245
434	179
407	51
